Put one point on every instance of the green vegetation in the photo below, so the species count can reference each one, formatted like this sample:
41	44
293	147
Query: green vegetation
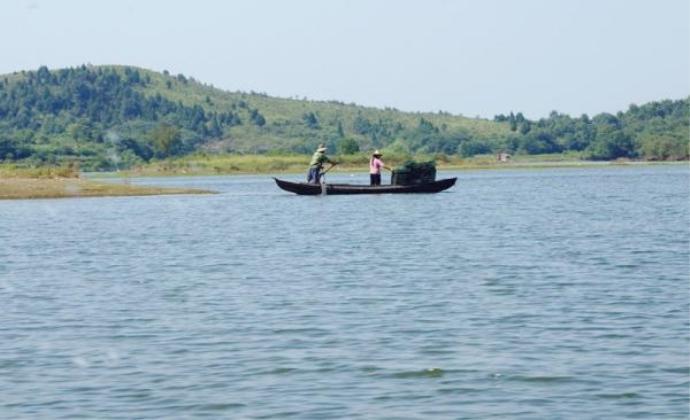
115	117
9	170
655	131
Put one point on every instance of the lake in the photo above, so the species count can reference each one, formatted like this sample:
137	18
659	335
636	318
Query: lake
556	293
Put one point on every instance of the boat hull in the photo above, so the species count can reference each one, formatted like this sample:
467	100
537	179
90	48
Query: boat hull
302	188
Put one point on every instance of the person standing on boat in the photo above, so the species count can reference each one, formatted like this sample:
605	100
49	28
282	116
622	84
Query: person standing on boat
375	165
317	160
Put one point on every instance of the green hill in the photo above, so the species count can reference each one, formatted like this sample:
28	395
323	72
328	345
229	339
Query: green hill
116	116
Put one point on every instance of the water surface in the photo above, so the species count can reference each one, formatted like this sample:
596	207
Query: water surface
558	293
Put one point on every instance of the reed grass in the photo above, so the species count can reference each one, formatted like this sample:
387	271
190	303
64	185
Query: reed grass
18	182
31	188
39	172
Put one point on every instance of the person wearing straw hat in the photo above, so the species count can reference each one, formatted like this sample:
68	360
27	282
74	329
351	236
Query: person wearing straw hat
375	165
316	164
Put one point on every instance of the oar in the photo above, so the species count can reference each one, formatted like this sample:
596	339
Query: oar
329	168
323	184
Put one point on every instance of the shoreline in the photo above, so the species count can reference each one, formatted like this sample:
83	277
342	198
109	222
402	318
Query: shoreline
192	170
25	187
53	188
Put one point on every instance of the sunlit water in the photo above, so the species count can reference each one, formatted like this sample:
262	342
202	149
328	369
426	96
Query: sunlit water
520	294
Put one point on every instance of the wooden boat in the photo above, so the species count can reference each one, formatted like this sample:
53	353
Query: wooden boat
302	188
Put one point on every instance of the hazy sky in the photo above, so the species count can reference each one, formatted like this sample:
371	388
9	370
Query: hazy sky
474	57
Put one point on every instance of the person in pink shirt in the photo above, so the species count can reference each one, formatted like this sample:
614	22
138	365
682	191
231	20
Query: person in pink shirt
375	165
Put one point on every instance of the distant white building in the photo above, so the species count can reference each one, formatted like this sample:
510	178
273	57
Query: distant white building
503	157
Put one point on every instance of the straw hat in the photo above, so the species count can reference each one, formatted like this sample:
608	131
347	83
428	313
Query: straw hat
377	153
321	148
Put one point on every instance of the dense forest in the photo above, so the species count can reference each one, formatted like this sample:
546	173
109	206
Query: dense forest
110	117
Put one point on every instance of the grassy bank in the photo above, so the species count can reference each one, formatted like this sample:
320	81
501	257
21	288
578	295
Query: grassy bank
220	164
63	182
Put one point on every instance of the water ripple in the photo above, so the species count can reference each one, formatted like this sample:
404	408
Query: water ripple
519	294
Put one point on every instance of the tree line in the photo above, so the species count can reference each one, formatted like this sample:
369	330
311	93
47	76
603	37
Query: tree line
654	131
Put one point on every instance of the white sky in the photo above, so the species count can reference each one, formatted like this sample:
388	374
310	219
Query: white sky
474	57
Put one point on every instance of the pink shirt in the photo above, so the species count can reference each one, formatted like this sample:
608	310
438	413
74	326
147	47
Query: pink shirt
375	166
